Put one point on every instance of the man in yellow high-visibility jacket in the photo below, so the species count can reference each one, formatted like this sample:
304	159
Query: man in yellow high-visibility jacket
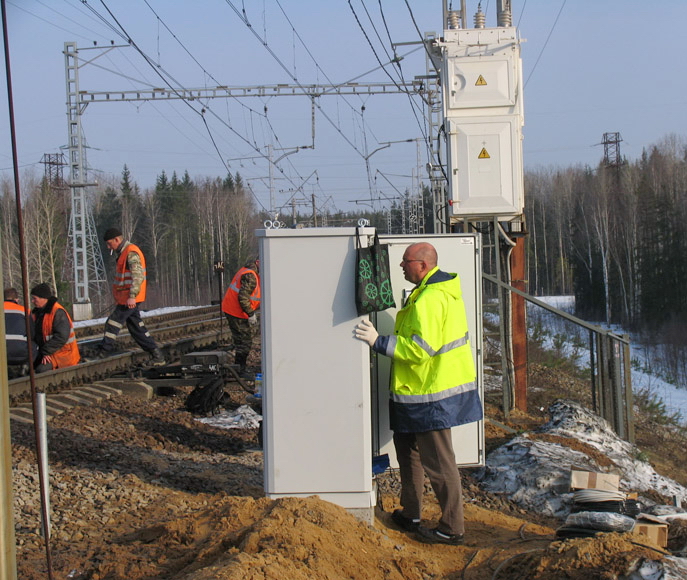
433	388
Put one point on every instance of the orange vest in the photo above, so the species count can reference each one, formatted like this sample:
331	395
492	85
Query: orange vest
68	355
230	302
123	279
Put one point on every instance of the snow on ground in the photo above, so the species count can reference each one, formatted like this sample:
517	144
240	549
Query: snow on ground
558	335
144	314
534	469
535	473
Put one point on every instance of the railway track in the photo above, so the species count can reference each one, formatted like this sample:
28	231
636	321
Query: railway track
176	333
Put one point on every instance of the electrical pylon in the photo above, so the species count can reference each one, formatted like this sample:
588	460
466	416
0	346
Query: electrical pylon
86	257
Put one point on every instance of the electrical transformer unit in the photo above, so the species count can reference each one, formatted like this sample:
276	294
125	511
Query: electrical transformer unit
481	74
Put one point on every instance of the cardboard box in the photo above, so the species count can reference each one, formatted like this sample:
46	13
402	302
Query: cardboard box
657	533
593	480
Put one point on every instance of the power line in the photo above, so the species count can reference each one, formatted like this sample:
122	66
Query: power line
541	52
244	18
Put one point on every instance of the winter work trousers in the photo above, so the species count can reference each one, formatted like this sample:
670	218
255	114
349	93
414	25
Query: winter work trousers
242	337
131	317
431	453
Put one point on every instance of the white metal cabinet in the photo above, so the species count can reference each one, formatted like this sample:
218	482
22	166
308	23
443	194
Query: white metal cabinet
316	376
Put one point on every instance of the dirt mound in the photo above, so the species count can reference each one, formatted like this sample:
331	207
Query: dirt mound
237	538
142	491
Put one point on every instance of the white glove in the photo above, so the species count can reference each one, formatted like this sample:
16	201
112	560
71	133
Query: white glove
366	331
252	320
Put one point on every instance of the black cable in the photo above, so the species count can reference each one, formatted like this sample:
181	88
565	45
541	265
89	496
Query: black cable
244	19
393	80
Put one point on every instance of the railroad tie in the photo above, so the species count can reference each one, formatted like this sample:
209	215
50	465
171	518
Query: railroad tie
58	403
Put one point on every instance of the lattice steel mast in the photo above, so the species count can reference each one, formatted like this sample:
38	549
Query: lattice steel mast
87	260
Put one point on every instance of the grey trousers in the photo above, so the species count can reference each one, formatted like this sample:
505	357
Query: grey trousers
431	453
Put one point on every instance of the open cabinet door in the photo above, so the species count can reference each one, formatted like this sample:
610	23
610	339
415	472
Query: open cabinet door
458	253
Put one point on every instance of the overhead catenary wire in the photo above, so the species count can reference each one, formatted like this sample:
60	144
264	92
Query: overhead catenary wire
392	60
159	71
253	125
205	107
130	40
23	9
244	18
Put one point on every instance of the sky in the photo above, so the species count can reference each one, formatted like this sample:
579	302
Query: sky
589	68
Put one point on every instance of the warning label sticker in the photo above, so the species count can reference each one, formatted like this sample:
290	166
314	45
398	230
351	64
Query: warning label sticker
483	154
480	82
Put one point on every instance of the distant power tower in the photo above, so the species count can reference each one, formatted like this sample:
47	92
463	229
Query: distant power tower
53	172
612	149
612	158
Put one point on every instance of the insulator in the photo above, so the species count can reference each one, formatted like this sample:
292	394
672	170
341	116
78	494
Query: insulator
453	20
480	18
505	19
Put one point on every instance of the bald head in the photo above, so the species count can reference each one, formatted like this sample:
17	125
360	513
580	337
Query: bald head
418	259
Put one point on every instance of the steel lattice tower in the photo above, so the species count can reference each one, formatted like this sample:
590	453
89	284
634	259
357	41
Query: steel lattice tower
86	257
612	150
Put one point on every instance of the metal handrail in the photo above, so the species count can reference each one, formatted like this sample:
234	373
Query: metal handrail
554	310
613	398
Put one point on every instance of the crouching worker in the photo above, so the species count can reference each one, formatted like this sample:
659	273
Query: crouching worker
16	340
53	332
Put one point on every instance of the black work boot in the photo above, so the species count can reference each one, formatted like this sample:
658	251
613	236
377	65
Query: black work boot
158	358
241	360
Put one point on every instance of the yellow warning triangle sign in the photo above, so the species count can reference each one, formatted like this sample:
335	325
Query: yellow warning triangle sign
483	154
481	82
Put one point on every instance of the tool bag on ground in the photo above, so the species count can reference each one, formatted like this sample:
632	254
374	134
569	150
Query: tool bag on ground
206	397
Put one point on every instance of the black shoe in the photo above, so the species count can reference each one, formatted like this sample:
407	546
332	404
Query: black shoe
434	536
404	522
158	358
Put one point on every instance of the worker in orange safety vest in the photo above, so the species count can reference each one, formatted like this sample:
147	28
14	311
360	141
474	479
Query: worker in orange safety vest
240	305
53	332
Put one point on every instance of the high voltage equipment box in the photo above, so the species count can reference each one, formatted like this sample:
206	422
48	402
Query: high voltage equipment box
325	395
481	74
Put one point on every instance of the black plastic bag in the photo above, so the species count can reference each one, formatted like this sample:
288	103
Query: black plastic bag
373	291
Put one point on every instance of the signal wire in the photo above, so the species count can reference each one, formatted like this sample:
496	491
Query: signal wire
417	29
244	18
395	59
127	38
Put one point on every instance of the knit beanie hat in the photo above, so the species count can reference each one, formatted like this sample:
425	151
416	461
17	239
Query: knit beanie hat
111	234
42	291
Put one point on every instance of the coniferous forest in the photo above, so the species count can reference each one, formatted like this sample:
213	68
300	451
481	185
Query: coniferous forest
615	237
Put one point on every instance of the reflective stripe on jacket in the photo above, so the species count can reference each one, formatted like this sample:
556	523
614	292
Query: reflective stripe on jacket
68	354
433	379
230	302
15	333
124	279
